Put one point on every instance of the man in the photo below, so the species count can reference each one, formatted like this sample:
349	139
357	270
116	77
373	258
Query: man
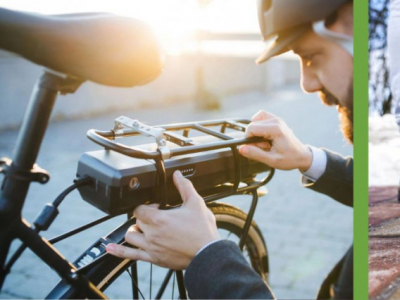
320	32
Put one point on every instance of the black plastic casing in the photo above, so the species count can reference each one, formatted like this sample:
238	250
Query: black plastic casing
114	176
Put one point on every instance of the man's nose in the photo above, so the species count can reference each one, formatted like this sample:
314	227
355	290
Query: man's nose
309	80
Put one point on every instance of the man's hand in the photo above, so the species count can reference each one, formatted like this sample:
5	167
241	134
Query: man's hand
284	151
170	238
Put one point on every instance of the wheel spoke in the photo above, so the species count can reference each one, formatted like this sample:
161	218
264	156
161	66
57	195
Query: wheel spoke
136	286
151	278
173	286
164	284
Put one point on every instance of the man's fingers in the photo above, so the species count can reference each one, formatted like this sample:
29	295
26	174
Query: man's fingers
136	227
267	131
131	253
143	226
263	145
145	213
136	238
184	186
153	205
255	153
262	115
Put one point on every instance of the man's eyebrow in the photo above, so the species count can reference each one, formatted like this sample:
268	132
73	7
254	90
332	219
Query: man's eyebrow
298	50
304	51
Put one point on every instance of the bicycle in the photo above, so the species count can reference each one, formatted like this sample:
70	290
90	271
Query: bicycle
210	166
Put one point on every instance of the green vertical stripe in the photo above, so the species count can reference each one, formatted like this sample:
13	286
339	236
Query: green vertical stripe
361	149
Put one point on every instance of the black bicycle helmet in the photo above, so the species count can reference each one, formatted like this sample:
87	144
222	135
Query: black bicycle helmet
287	20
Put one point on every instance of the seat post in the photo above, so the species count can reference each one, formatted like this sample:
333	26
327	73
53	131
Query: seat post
32	132
20	172
35	121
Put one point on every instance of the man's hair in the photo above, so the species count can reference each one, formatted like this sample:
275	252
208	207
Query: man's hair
331	19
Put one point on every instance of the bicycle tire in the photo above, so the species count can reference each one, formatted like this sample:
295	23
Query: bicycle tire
233	219
228	218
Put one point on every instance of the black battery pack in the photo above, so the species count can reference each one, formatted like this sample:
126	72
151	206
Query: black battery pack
121	183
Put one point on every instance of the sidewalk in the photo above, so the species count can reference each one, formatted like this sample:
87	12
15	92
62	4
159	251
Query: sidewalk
384	243
384	208
306	233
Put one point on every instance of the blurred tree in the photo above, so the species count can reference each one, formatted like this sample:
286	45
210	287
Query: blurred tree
380	97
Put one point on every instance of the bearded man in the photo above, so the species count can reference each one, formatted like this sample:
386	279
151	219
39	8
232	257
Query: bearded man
320	32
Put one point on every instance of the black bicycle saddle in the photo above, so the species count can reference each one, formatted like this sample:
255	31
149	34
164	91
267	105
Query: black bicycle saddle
103	48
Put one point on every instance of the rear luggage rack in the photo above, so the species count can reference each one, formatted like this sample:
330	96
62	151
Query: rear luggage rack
172	148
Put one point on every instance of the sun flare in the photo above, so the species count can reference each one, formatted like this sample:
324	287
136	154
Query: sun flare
174	21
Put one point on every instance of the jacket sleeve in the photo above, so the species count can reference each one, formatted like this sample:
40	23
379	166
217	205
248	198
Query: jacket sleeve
221	272
337	181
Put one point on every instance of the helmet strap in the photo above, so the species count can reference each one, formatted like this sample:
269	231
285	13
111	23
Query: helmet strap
343	40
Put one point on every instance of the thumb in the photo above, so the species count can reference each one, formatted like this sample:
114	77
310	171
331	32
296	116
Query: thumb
185	187
257	154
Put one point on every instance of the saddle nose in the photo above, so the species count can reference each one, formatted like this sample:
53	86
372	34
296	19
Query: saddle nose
103	48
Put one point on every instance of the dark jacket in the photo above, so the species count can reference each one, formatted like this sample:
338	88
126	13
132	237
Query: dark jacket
221	272
337	182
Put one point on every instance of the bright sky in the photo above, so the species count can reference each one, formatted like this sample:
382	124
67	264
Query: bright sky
173	20
217	15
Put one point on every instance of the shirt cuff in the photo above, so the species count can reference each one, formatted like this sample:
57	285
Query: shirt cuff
318	164
206	245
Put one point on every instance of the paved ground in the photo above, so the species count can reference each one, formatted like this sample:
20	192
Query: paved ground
384	241
306	233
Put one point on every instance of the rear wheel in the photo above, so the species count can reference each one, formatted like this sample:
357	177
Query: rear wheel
230	223
114	276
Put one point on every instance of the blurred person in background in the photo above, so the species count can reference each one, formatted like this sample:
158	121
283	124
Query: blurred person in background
320	32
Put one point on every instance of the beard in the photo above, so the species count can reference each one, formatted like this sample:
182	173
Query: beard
346	123
345	111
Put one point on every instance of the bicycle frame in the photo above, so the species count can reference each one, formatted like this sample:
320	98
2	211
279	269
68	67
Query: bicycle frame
22	170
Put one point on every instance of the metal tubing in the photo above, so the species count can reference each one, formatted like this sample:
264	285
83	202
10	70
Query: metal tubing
179	126
214	146
6	240
134	281
181	285
101	139
14	190
249	219
35	123
182	126
212	132
28	143
105	138
79	229
161	186
57	262
237	168
164	284
16	255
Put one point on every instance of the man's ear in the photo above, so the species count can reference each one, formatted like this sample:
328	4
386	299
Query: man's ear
344	20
